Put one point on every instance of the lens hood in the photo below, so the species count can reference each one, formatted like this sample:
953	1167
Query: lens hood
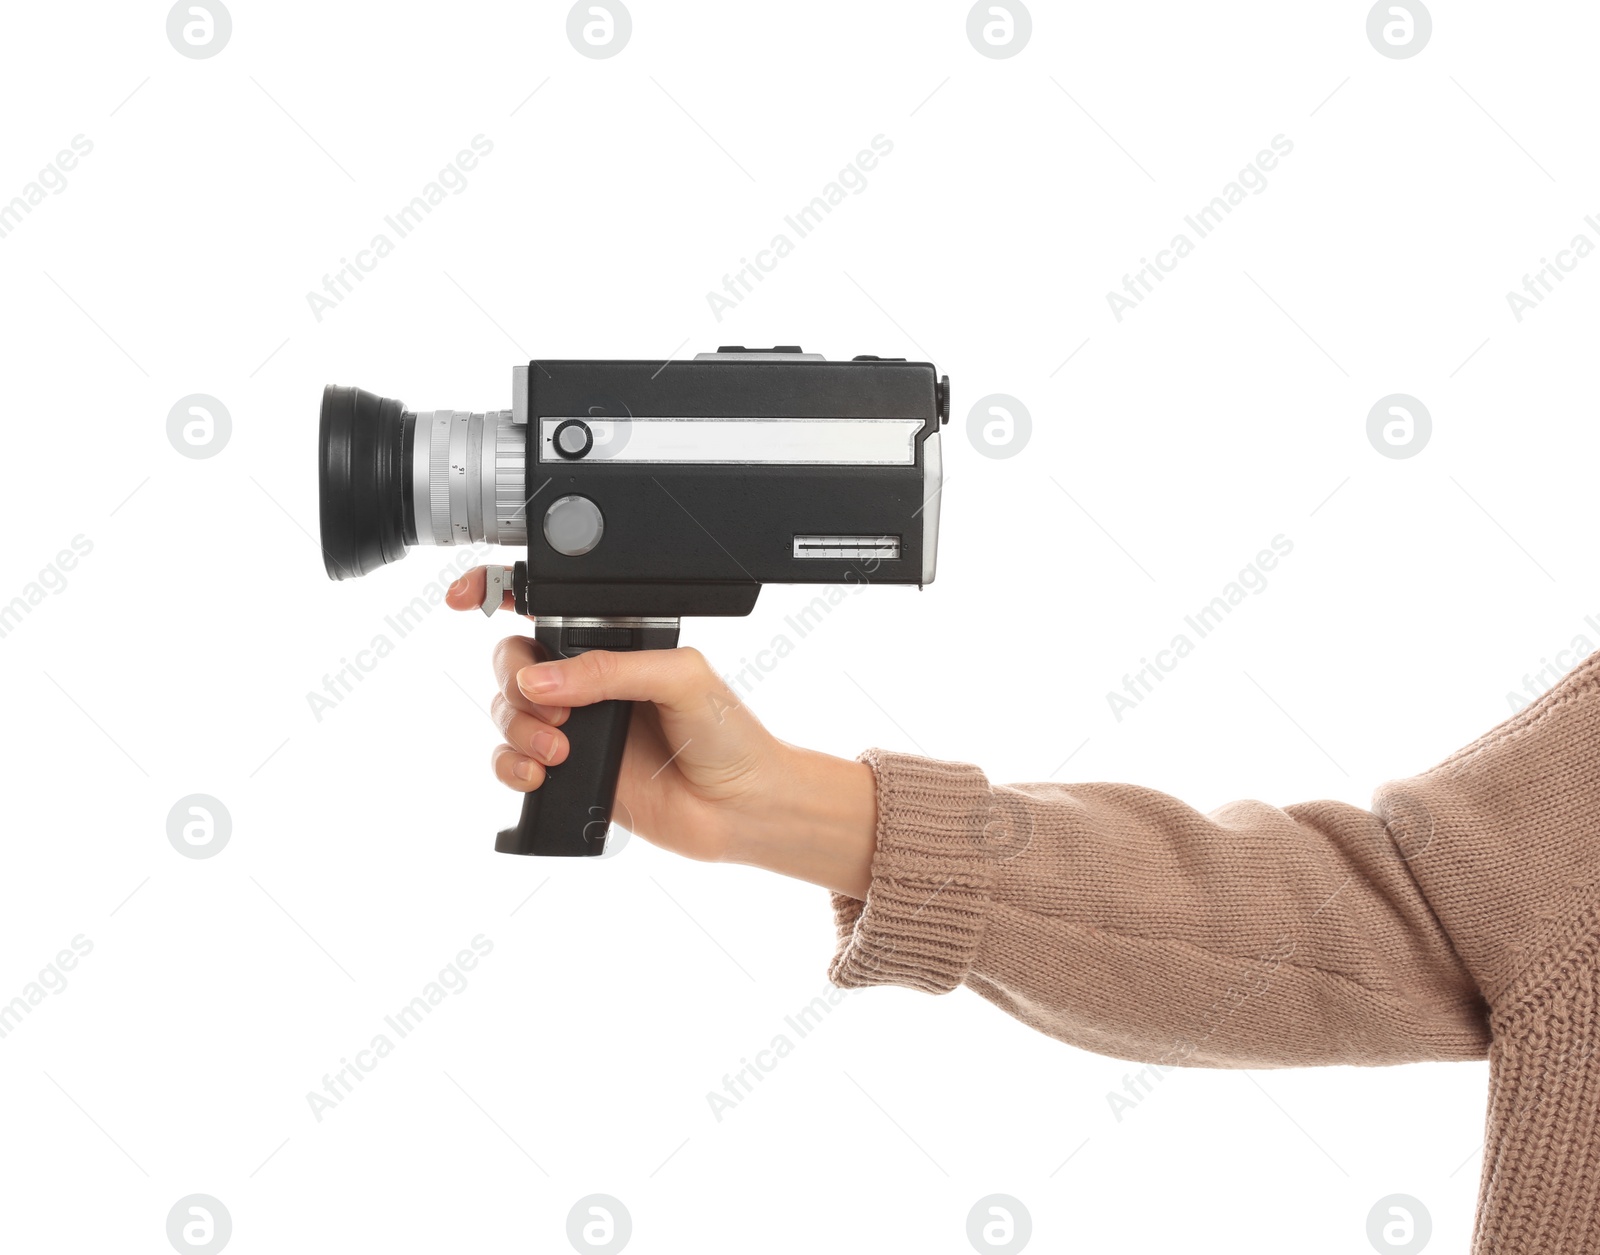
363	462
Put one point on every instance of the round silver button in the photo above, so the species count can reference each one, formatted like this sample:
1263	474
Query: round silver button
573	525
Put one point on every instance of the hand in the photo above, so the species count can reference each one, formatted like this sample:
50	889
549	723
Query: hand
700	776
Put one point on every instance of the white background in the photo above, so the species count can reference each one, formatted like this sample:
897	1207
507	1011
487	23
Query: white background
1228	408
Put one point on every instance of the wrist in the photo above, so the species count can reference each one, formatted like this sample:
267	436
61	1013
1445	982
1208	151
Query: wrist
818	822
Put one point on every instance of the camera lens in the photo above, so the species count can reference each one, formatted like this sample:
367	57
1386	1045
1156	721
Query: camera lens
467	477
391	478
364	463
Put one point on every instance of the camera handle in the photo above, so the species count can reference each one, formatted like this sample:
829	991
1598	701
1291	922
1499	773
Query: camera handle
569	815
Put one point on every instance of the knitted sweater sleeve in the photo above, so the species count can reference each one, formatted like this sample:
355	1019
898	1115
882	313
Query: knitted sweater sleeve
1118	919
1460	916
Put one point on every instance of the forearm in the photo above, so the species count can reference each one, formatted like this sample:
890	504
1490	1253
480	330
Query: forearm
818	823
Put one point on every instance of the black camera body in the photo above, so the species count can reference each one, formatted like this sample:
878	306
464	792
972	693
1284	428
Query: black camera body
720	474
645	491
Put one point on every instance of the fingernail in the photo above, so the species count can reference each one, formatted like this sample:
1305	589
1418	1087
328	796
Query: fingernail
541	678
459	585
526	768
544	747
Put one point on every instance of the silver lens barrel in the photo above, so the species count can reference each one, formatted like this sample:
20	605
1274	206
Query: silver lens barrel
467	478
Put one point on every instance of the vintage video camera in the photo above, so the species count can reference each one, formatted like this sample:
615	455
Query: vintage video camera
644	492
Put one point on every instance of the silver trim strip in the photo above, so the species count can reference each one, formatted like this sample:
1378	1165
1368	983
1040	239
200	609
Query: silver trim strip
615	621
933	486
748	441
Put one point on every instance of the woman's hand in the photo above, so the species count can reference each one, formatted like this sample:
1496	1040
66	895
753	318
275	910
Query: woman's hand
700	776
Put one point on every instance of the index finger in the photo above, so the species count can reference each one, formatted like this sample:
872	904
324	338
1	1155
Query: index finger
512	654
467	592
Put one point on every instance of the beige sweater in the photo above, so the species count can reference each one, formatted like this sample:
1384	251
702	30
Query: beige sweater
1457	919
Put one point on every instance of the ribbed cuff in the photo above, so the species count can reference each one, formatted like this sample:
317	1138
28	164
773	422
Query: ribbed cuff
931	879
1540	1188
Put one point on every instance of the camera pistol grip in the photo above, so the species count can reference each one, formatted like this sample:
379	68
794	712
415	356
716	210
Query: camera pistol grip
569	815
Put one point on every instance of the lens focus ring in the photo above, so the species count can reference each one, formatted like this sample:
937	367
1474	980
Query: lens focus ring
510	451
438	482
468	474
